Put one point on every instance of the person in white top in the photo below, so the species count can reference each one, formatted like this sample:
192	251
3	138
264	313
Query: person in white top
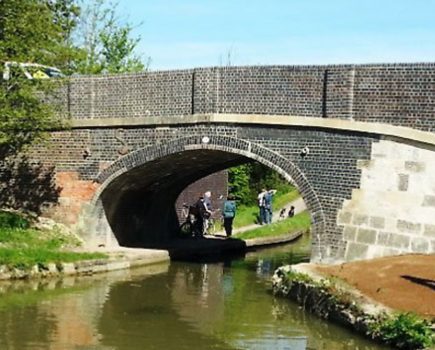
209	210
261	207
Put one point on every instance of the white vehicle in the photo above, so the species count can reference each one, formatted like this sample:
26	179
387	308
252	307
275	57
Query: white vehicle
30	71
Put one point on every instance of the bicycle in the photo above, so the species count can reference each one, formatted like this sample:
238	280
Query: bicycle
213	223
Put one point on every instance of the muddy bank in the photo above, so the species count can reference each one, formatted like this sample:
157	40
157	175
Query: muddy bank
337	301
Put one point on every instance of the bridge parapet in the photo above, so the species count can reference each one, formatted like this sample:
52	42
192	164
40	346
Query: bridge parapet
398	94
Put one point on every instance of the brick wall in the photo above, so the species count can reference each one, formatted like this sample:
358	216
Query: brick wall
400	94
169	163
138	165
216	183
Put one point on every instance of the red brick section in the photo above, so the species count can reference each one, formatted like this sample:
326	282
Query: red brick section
74	194
217	183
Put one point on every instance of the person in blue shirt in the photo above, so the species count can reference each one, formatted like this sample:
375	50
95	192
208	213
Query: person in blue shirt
267	202
229	212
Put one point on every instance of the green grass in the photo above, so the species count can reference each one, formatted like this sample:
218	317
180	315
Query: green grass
248	215
297	223
25	247
27	257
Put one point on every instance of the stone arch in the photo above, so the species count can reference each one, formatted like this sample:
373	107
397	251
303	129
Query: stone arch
99	230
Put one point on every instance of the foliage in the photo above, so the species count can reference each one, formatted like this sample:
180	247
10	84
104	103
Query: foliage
47	32
404	330
247	180
28	34
23	117
300	222
25	247
66	15
107	44
46	239
12	220
118	48
239	181
247	215
27	257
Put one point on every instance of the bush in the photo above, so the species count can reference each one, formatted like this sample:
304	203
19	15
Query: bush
12	220
405	331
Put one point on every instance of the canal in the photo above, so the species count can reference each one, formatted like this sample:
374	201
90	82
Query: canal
205	305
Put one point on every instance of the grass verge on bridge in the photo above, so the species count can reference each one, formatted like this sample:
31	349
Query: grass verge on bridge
300	222
248	215
22	246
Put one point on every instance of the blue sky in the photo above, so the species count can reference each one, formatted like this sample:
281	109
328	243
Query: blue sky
195	33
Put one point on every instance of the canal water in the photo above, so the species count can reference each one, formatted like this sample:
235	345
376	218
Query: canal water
214	305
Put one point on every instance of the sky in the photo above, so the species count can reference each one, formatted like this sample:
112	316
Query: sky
178	34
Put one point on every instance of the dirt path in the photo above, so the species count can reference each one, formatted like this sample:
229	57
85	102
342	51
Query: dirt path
405	283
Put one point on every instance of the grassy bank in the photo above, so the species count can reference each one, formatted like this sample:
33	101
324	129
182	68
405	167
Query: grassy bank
248	215
300	222
23	246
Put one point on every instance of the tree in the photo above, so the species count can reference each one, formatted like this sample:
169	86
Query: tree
44	32
118	49
107	43
245	181
238	182
28	33
66	15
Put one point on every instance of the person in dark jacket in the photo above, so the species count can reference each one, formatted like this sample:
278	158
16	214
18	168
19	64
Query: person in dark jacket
201	210
229	212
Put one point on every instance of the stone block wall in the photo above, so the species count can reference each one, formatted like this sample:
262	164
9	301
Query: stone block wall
393	211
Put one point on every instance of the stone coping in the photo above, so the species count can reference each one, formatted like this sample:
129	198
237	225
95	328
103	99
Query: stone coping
314	299
190	70
118	259
272	240
369	306
388	130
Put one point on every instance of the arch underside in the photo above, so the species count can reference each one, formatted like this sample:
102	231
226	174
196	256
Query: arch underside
138	191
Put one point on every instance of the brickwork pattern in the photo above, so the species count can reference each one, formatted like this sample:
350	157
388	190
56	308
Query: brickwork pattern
399	94
325	177
216	183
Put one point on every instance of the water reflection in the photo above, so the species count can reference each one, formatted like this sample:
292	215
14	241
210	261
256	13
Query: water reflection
178	306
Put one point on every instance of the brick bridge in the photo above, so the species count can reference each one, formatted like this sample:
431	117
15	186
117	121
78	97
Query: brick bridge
357	141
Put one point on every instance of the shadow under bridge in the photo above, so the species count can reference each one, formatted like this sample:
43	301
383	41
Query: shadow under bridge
140	204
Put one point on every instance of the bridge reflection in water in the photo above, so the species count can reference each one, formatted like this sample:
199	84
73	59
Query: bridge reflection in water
223	305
